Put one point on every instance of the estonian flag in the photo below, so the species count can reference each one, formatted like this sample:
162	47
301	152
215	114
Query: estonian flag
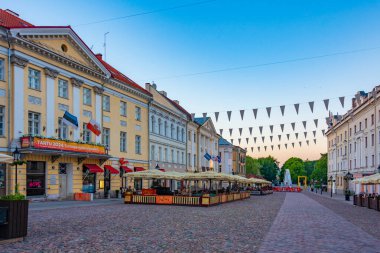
207	156
94	127
70	119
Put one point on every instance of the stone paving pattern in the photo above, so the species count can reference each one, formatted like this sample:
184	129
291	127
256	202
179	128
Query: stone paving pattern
305	225
233	227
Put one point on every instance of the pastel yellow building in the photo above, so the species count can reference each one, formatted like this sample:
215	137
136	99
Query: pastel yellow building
45	72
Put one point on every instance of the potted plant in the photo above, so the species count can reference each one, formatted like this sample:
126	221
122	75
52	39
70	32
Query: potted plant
347	194
16	224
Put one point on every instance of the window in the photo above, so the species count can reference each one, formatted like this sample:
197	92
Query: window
166	155
172	131
178	133
63	88
195	160
355	129
35	178
106	137
152	152
182	158
372	119
123	108
350	132
86	96
106	103
138	113
373	160
350	148
166	128
360	126
355	147
366	142
34	123
2	120
34	79
372	140
159	126
2	70
138	144
172	156
366	161
178	161
365	123
123	142
189	136
153	124
189	158
195	138
183	135
86	133
159	154
62	129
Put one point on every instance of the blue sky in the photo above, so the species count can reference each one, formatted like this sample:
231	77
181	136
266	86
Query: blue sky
225	34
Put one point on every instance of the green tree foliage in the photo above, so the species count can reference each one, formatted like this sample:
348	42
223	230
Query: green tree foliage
309	167
252	166
269	168
296	168
320	171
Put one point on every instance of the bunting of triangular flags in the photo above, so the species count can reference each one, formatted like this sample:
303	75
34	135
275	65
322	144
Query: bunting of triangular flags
204	116
304	124
326	102
271	147
293	125
282	107
239	140
229	115
305	133
300	143
296	136
293	144
265	147
288	136
252	149
232	141
314	133
286	146
247	139
323	132
231	129
254	113
216	116
316	122
250	130
271	128
297	107
242	114
268	111
279	137
261	130
258	149
221	131
311	104
263	139
307	142
271	138
341	99
240	131
279	146
282	128
315	141
254	139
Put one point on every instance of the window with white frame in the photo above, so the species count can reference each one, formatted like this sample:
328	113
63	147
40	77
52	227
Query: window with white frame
183	135
106	137
138	144
159	126
2	120
153	120
178	161
152	152
34	123
137	113
166	155
62	129
182	158
166	128
106	103
123	142
189	158
123	108
86	96
86	133
172	154
2	70
172	131
34	79
159	154
63	88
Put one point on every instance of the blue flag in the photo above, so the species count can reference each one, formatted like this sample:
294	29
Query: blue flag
207	156
70	119
219	159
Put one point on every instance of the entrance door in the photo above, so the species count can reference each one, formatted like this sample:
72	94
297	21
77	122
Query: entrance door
62	180
107	182
2	179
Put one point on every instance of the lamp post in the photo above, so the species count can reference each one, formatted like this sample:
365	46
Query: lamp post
347	178
16	159
331	181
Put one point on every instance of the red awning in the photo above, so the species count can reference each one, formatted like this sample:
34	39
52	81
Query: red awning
93	168
111	169
139	169
163	170
126	169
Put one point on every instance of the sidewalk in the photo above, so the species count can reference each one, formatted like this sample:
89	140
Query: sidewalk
338	197
46	205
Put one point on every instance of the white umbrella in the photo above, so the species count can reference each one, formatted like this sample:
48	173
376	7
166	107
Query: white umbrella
6	158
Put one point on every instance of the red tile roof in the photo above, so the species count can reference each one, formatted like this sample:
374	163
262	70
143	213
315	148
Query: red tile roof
9	20
121	77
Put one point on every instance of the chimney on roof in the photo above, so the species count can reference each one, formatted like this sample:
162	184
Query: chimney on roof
163	93
147	86
154	85
12	12
99	56
176	101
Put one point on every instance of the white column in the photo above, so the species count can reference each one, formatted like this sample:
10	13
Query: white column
98	110
18	96
50	102
77	84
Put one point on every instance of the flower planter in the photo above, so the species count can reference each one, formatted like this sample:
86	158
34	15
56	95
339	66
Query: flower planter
373	203
356	200
17	219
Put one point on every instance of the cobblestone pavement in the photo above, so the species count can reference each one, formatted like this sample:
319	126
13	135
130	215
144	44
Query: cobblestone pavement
366	219
305	225
233	227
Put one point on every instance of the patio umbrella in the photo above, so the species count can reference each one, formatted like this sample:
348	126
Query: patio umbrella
6	158
146	174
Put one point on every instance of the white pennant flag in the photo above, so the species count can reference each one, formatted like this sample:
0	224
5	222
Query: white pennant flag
326	101
307	142
231	131
282	128
316	122
288	135
250	130
221	131
297	107
311	104
314	133
282	107
216	116
271	129
240	130
239	140
286	145
255	113
296	136
204	116
247	139
271	138
293	125
263	139
242	114
192	116
252	149
341	99
254	139
271	147
305	133
268	111
315	141
279	137
229	115
261	130
304	124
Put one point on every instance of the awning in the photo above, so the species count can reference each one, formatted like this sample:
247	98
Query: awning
126	169
163	170
111	169
93	168
139	169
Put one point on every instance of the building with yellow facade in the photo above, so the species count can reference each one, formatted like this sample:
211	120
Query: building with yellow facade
44	72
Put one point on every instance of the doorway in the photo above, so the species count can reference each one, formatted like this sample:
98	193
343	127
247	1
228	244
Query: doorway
2	179
65	180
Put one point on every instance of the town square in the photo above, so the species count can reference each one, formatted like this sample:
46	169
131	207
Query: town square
189	126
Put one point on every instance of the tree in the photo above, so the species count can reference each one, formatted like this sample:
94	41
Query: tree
309	168
296	168
320	171
252	166
269	168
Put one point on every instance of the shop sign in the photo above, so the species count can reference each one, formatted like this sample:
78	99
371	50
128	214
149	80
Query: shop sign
45	143
149	192
164	200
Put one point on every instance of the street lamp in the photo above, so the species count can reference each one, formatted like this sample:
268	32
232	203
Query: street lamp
331	180
16	159
378	169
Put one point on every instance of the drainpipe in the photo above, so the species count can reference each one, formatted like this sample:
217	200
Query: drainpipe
9	91
375	123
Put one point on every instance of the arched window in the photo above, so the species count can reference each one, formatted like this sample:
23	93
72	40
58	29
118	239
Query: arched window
159	126
153	123
172	131
166	128
178	133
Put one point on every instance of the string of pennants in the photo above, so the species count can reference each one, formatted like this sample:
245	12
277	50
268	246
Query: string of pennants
296	106
271	128
255	139
286	145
